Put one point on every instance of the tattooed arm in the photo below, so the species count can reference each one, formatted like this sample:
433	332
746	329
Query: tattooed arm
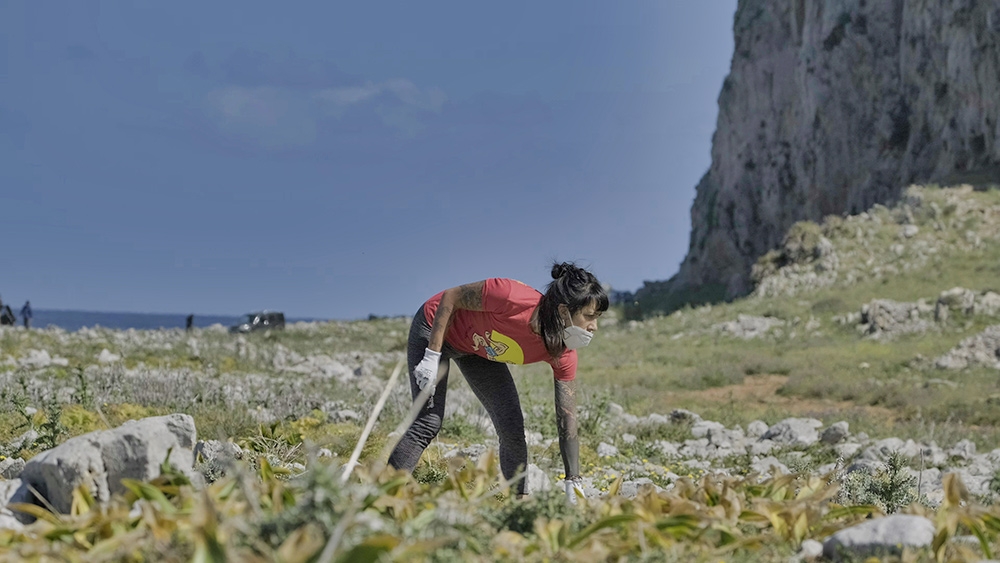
569	440
468	296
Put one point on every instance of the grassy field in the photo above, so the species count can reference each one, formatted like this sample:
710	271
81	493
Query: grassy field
831	373
283	396
825	368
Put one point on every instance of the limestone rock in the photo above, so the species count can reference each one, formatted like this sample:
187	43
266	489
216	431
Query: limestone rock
885	318
881	535
656	419
756	428
847	449
809	550
615	410
768	465
835	434
11	467
100	460
964	450
25	440
11	491
538	480
36	359
472	451
830	107
215	450
702	428
749	327
763	447
669	450
106	357
882	449
606	450
631	488
978	350
794	431
681	416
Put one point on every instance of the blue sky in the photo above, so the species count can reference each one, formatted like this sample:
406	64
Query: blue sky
335	160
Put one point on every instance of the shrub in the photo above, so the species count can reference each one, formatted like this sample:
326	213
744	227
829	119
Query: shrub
765	366
594	414
890	488
274	443
520	515
829	305
767	265
994	486
833	225
460	428
672	432
79	420
716	376
801	242
431	472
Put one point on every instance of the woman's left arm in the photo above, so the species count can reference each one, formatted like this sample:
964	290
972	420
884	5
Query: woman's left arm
569	440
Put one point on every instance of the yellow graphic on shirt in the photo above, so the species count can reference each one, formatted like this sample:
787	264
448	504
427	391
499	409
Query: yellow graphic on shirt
499	348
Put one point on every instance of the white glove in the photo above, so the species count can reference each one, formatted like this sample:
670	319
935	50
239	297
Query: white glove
426	371
574	490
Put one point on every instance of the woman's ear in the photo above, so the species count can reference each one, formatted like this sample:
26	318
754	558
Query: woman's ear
564	314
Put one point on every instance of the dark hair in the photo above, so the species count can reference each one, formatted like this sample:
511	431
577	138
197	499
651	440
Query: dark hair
571	286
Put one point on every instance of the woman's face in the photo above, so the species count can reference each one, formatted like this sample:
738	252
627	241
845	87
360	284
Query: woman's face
585	318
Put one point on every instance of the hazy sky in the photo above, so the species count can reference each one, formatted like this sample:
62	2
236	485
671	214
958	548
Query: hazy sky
339	159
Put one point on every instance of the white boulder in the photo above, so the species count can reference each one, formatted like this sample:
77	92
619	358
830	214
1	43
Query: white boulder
881	535
100	460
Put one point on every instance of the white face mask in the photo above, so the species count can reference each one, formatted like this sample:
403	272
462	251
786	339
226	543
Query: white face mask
575	337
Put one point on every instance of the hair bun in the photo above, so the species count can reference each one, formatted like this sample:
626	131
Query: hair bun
560	270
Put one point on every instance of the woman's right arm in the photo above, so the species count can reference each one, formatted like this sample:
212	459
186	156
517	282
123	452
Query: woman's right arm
569	439
468	296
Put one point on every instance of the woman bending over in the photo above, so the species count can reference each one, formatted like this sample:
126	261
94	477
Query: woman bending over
486	325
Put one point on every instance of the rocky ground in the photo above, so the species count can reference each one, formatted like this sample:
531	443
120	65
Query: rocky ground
299	397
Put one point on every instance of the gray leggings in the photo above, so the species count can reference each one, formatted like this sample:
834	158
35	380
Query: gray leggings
493	385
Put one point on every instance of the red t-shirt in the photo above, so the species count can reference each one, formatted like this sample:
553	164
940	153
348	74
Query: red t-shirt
502	331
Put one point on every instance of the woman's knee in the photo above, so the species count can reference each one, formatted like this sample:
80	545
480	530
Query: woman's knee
512	432
426	428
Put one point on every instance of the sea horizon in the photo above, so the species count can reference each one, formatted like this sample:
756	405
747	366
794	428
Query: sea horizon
73	320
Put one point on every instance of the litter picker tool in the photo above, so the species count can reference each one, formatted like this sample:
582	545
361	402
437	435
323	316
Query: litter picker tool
351	463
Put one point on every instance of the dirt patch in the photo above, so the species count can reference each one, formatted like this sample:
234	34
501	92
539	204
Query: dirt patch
760	392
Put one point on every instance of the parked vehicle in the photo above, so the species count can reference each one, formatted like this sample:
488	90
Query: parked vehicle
261	320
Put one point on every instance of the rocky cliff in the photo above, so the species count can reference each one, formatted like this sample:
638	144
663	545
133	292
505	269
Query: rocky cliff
831	106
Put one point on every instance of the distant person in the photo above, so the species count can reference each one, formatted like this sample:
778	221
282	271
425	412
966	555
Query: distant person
188	323
26	314
7	316
486	325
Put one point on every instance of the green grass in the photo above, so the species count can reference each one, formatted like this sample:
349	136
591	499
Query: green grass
640	366
651	365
